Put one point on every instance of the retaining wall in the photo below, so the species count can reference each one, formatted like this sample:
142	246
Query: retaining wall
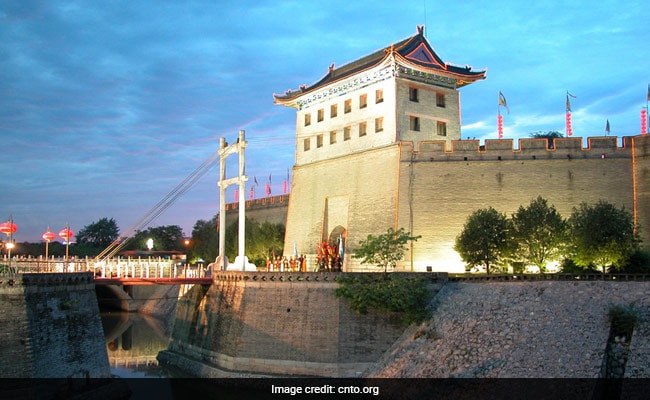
272	323
251	324
51	327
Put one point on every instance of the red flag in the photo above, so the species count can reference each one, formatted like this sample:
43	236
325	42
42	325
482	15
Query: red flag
268	190
236	195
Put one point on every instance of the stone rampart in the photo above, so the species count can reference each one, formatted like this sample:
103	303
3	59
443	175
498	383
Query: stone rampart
278	324
544	329
51	327
271	209
440	187
252	324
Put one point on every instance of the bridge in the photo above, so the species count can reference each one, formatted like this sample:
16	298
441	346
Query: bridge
116	271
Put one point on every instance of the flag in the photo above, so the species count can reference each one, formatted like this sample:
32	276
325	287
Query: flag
568	103
648	98
236	195
607	127
270	178
268	190
255	181
502	102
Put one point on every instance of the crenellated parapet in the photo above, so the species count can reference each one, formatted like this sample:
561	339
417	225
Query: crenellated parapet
527	149
263	203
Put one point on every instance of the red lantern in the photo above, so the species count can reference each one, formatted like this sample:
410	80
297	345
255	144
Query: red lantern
8	228
66	234
644	121
569	130
49	236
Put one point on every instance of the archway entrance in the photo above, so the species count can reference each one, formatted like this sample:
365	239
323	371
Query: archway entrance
331	253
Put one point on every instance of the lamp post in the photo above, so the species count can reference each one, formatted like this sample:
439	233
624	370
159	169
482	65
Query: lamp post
66	234
48	237
149	244
9	228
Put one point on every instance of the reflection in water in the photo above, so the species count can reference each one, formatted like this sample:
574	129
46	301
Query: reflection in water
132	342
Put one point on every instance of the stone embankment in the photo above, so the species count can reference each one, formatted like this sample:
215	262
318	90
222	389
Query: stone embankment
521	330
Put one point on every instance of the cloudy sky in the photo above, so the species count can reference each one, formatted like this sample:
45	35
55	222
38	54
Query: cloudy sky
106	106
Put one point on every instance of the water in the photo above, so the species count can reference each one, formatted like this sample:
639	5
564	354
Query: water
132	342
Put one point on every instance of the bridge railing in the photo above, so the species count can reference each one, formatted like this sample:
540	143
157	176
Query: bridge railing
112	268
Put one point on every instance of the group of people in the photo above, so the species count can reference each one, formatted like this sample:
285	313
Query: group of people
329	258
284	264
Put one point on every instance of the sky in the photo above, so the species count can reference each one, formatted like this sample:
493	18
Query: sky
107	106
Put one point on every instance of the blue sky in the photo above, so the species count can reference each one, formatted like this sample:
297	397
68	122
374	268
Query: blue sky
106	106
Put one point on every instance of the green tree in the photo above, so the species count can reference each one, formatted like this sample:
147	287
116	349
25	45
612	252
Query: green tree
539	231
262	240
100	233
384	250
485	239
168	237
602	235
205	240
549	136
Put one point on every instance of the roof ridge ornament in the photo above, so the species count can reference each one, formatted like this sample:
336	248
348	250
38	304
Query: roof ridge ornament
420	29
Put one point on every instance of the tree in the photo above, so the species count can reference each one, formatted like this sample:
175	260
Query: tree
539	231
262	240
99	234
549	136
602	234
384	250
485	239
205	240
168	237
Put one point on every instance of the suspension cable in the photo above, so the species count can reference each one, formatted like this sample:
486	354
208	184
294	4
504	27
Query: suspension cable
160	207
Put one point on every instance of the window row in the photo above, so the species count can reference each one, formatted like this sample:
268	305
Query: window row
415	97
362	130
441	126
347	107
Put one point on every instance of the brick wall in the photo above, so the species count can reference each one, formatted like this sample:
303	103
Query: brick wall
364	184
441	189
289	324
51	327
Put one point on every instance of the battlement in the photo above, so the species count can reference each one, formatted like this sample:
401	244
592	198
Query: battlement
265	202
528	149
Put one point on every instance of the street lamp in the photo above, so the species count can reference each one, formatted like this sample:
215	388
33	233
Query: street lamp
48	237
66	234
149	244
9	228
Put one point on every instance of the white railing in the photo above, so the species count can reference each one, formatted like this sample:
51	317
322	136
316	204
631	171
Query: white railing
111	268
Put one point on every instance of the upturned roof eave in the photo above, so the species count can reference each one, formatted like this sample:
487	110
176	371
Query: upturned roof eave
399	50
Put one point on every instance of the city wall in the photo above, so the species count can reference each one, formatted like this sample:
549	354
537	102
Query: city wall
275	324
271	209
51	327
440	187
252	324
540	329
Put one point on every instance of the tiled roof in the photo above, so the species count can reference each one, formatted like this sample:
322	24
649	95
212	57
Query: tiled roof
416	49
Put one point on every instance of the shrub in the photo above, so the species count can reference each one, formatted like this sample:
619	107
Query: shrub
386	292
